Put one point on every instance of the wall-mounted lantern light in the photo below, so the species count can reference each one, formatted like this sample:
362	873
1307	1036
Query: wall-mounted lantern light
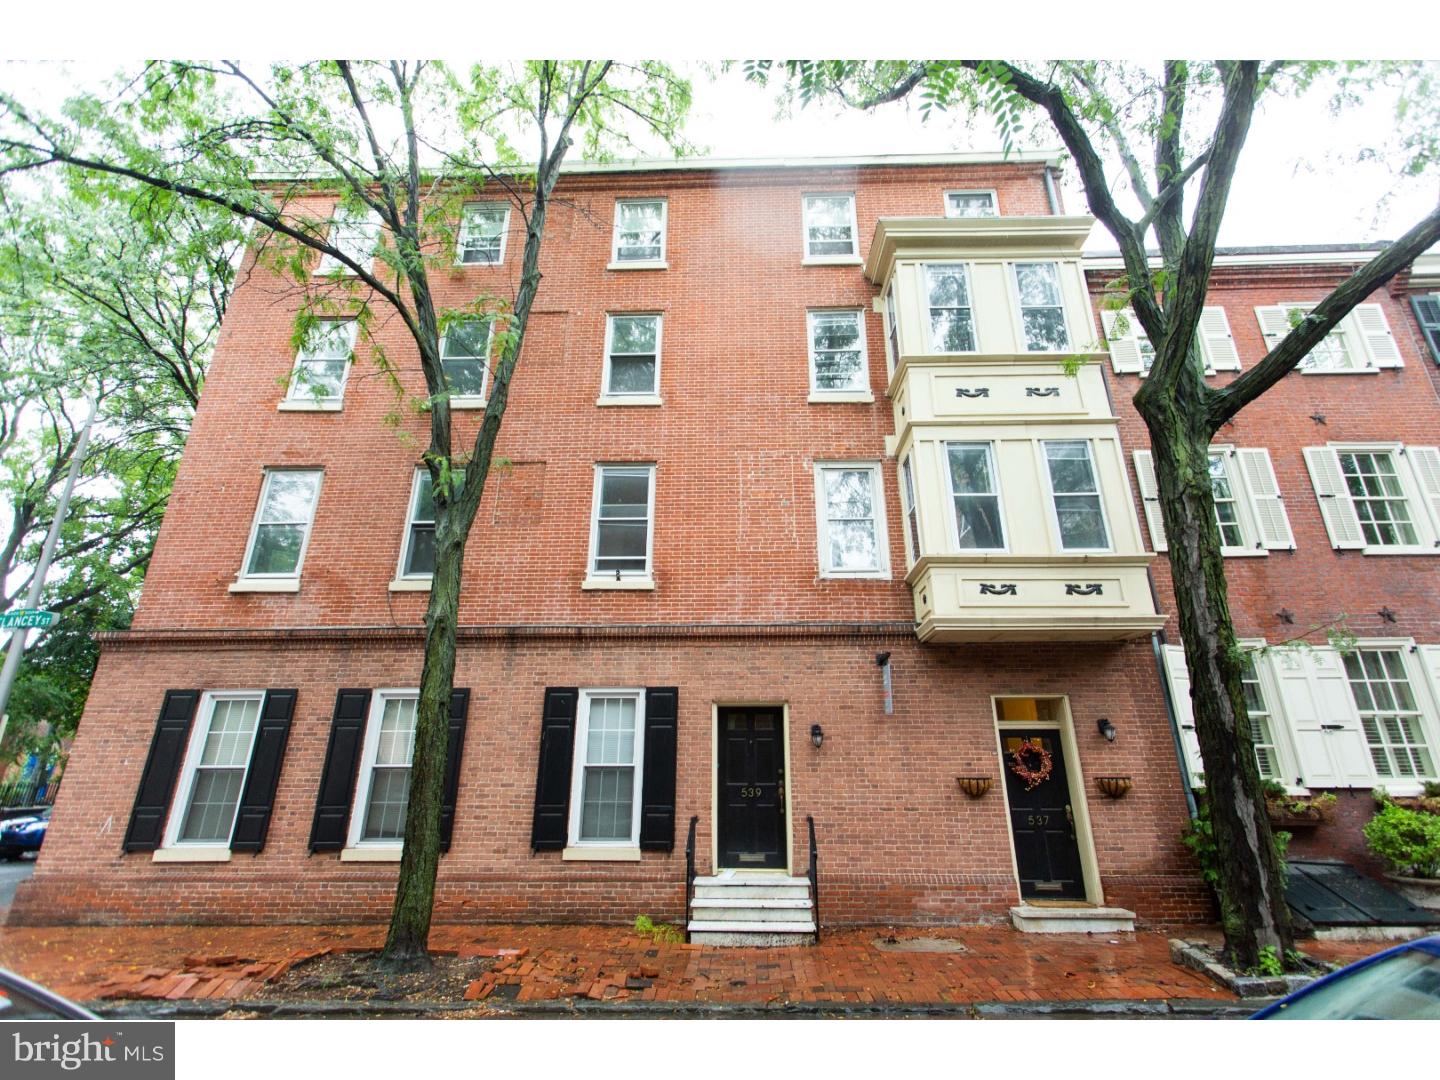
817	735
1106	728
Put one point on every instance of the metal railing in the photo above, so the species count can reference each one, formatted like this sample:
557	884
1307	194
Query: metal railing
814	878
690	873
36	790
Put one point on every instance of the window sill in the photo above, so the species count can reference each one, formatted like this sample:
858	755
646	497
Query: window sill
1339	371
638	264
600	854
478	263
841	397
1398	550
370	854
197	853
410	585
1242	553
460	401
310	406
606	400
869	575
831	260
266	585
632	583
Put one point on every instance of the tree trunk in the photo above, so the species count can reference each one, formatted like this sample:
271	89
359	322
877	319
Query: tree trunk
406	946
1252	900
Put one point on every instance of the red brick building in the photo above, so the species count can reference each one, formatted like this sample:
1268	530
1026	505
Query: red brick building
803	521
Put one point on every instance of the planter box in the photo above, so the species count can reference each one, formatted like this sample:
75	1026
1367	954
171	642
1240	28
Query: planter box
1422	892
1284	819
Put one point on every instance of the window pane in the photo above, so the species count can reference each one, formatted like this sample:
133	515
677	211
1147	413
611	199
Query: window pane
277	549
1081	523
970	469
639	230
952	324
466	340
633	334
828	226
624	493
1045	329
420	556
971	204
289	497
385	812
835	350
621	546
632	375
397	732
1070	470
1037	284
328	340
1388	714
849	515
640	216
481	234
466	377
318	379
607	804
211	815
610	732
949	286
1077	499
232	726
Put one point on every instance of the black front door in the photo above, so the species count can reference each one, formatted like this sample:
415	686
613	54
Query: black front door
752	788
1042	821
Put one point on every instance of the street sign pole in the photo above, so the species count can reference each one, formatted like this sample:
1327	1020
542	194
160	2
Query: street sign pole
47	552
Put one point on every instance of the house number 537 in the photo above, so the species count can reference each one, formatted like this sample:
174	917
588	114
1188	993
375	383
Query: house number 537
1038	819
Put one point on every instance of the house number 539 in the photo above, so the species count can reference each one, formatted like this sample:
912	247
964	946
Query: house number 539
749	792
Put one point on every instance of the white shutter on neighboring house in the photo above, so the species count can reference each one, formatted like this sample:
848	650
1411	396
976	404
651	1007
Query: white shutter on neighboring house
1425	460
1367	325
1150	498
1271	520
1124	350
1324	724
1179	677
1430	661
1334	497
1274	324
1217	345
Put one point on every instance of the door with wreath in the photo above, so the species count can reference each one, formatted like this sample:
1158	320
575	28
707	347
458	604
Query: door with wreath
1042	821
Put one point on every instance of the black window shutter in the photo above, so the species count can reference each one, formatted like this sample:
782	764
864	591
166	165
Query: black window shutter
1427	314
162	767
337	779
657	787
459	709
552	784
253	820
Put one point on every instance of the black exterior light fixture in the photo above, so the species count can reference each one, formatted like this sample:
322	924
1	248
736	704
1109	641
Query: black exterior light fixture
817	735
1106	728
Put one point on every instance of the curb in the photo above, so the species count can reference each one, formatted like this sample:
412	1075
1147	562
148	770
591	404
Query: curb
581	1008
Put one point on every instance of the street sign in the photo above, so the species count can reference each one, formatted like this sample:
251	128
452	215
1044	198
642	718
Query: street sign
27	619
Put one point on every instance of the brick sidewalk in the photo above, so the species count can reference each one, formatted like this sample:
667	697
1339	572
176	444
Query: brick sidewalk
614	964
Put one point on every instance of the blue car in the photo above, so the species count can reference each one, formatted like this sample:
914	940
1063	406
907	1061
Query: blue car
20	835
1401	983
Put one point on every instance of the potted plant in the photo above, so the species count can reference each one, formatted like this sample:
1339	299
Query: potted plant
1409	843
1296	811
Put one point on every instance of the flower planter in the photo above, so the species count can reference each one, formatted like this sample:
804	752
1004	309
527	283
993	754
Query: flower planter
1422	892
1284	819
974	786
1113	787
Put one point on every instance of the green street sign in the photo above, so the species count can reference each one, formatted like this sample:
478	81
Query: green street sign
27	619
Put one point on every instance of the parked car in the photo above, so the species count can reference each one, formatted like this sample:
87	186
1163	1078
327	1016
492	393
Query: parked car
21	999
1400	983
20	835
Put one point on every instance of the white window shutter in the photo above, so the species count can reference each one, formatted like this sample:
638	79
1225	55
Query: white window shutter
1430	661
1425	460
1124	351
1274	324
1334	498
1150	498
1217	345
1325	726
1367	324
1179	677
1271	519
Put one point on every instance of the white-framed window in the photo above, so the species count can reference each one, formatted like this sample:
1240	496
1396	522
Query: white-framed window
892	331
971	204
606	777
1227	504
1381	498
1360	342
838	363
1131	351
217	760
355	233
910	508
322	365
1427	315
483	228
952	318
1042	308
1262	723
622	522
830	230
850	520
1075	496
465	357
1249	509
281	530
975	495
417	559
632	356
640	227
1389	714
382	789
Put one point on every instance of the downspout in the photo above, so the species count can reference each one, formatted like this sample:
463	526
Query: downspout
1051	195
1157	640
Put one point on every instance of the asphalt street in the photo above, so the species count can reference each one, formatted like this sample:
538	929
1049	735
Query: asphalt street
11	874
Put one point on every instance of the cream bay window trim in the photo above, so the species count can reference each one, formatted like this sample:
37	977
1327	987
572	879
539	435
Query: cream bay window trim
276	581
354	232
360	848
601	578
1416	474
880	570
910	510
471	234
233	749
657	262
952	210
608	848
331	342
850	257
